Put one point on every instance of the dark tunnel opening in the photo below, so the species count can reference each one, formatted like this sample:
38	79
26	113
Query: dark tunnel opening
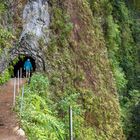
19	66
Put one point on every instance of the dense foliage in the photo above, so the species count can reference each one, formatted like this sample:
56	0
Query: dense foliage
82	33
120	27
5	76
6	40
41	118
131	115
78	63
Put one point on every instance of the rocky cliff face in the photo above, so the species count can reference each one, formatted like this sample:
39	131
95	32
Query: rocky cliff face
35	21
31	20
75	58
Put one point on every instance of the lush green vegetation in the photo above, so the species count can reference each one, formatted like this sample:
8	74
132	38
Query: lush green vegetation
131	115
72	68
5	76
6	39
82	33
6	36
43	118
120	27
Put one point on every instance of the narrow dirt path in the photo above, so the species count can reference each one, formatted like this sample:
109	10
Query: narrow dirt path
8	118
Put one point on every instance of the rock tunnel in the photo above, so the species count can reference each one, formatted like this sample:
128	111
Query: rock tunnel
20	55
19	66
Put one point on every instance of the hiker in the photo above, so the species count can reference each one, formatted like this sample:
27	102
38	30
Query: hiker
28	67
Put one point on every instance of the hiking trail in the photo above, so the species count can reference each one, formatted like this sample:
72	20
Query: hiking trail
9	122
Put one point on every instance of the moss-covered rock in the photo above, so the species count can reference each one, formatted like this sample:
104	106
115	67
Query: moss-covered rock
77	60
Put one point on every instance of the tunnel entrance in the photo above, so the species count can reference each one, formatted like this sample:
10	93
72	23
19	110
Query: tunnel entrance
19	66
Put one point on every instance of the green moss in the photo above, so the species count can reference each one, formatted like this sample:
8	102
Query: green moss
77	61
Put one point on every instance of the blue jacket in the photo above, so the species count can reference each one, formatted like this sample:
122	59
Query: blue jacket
28	65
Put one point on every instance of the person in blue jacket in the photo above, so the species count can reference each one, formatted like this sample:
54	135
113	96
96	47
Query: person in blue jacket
28	67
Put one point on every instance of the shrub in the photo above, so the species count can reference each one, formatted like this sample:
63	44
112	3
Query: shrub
42	118
4	77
